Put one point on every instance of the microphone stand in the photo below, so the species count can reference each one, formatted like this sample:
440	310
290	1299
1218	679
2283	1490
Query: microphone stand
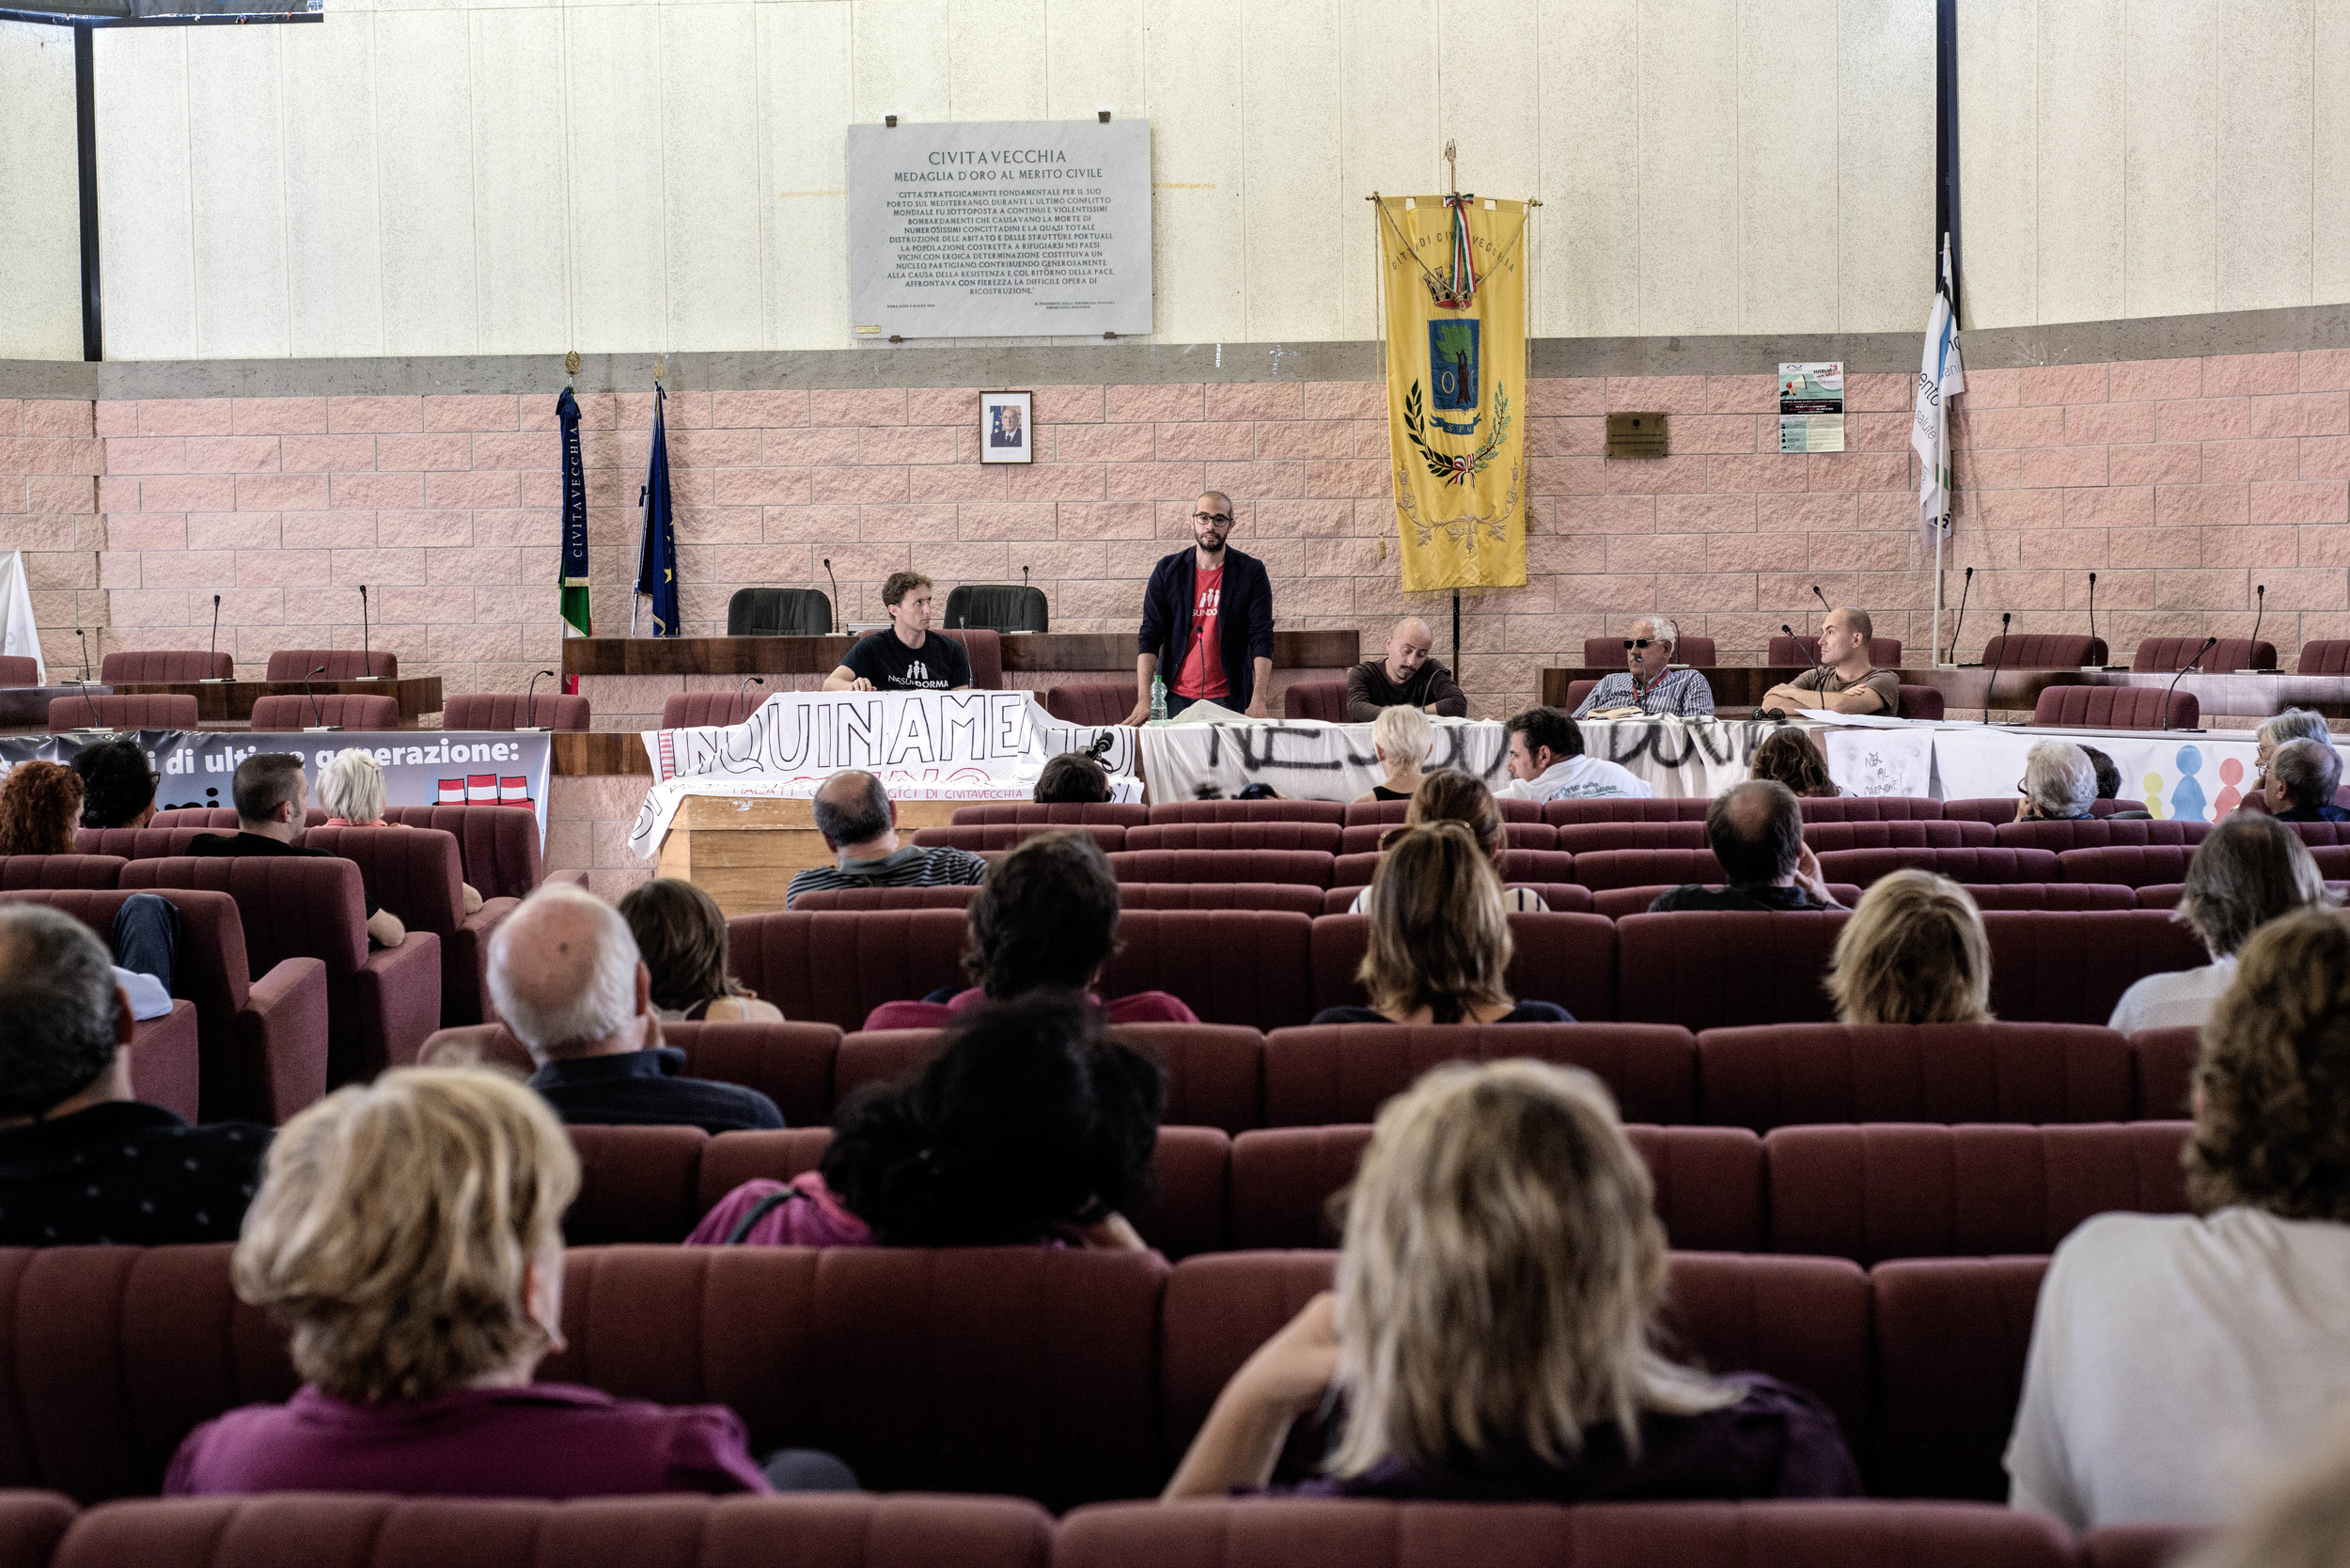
367	660
2209	643
530	709
1965	588
2098	659
2005	616
838	624
747	682
212	648
322	727
84	636
2260	593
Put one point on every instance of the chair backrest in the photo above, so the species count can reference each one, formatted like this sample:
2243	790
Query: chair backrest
1604	871
1089	701
2065	967
1250	811
1247	966
1884	652
291	711
2095	833
1576	692
1309	867
55	873
137	711
136	666
507	710
2043	651
1325	837
1869	809
980	837
885	897
142	844
997	607
498	845
1212	1069
836	966
1711	970
790	1063
2162	1062
2000	809
986	649
1333	1074
416	872
1782	1074
1587	838
778	612
1125	814
1298	896
290	907
1948	1336
693	709
1386	813
2126	865
1825	837
2163	655
1609	652
2056	895
1919	703
1616	903
1622	809
1315	699
2116	708
1566	958
342	664
1364	838
18	670
1977	863
2324	657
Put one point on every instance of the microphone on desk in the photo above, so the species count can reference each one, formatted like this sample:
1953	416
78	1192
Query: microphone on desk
2260	592
2095	657
367	660
530	699
747	682
1967	588
2209	643
84	636
1997	660
1823	598
838	624
322	727
211	649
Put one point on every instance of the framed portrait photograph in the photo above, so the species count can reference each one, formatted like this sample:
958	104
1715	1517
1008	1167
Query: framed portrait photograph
1005	429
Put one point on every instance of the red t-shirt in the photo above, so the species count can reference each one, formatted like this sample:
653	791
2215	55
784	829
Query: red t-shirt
1202	675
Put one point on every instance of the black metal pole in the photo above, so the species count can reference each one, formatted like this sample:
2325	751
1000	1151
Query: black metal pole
85	147
1946	142
1456	634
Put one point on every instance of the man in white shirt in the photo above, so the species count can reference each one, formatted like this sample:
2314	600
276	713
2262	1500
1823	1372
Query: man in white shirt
1547	762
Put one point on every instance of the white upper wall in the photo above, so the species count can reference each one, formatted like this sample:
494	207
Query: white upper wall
41	199
436	177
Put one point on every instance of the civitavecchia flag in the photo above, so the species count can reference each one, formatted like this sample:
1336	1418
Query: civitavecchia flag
572	576
1453	274
656	557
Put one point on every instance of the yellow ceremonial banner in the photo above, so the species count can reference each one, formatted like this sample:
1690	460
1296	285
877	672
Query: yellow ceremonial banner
1452	271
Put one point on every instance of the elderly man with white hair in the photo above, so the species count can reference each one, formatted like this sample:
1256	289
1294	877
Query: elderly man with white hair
567	979
1649	682
1406	678
2059	784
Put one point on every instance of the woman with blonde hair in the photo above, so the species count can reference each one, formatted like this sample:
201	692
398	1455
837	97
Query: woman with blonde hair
1440	943
1449	795
1493	1336
2176	1358
350	787
2246	871
409	1234
1913	953
1401	738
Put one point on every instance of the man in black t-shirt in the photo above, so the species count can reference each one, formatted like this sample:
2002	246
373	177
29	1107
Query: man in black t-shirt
905	658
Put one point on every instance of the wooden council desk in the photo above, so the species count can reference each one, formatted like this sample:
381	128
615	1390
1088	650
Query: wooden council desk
1024	653
227	701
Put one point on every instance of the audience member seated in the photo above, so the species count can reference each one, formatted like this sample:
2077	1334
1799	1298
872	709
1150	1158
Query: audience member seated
1401	738
117	785
82	1163
1449	795
1045	919
1028	1127
350	787
2109	783
1649	683
1755	830
273	798
2248	871
2293	724
2059	784
859	822
1844	681
2302	777
1440	943
566	977
681	940
1913	953
1073	779
1492	1336
2174	1357
1406	678
1790	756
1547	763
409	1233
40	805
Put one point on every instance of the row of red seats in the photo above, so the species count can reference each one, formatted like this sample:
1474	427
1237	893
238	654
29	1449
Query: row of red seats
290	711
1273	968
1236	1078
1069	1376
864	1530
1994	810
1869	1192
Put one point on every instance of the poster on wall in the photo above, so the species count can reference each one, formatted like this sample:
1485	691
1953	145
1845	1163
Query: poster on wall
1812	407
991	229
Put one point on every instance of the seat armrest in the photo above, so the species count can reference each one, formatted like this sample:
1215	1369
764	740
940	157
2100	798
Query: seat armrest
164	1059
283	1027
401	987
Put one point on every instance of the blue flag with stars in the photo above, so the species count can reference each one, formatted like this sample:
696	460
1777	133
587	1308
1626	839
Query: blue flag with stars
656	556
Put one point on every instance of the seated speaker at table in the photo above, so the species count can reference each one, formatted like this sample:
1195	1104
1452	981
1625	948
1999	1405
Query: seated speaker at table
1406	678
905	658
1844	682
1647	681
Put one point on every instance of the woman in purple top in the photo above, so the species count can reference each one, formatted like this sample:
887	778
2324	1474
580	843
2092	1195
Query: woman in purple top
1027	1127
1045	916
409	1233
1492	1336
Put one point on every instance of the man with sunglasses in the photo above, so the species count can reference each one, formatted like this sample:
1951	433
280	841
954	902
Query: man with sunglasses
1207	618
1649	683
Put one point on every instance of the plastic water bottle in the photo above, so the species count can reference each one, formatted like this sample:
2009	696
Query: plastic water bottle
1158	698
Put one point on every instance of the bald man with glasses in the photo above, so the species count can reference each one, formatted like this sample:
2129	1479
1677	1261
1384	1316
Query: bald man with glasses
1207	622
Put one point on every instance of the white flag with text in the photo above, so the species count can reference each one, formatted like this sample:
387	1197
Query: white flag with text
1940	378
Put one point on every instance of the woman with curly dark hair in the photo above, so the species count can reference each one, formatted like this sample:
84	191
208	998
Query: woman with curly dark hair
40	804
1792	758
2175	1357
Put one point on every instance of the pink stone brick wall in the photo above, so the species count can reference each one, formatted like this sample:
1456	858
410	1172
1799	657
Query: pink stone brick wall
49	462
2182	483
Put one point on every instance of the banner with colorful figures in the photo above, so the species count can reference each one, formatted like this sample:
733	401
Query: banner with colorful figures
2173	777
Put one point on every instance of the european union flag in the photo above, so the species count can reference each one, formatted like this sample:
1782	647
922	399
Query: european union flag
656	556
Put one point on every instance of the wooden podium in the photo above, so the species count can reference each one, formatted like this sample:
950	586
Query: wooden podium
743	852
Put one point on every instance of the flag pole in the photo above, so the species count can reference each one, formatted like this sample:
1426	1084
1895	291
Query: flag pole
635	590
1941	532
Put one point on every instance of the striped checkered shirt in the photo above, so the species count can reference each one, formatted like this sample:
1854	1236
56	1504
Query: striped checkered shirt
1676	691
909	867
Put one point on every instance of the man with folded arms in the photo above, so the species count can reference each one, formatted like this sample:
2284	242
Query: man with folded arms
1844	682
1648	681
1755	830
1406	678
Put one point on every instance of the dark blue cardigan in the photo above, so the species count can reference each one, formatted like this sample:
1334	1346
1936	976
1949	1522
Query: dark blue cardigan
1245	619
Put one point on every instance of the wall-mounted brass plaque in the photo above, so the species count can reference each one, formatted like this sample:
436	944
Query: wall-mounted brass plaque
1636	435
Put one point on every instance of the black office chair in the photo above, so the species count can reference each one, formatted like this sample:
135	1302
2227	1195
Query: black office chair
997	607
778	612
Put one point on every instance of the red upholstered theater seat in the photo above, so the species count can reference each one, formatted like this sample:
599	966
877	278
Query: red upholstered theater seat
1294	896
1950	1336
1784	1074
141	844
1247	966
25	670
1616	903
31	1525
2071	968
2163	655
1576	692
835	967
1212	1069
498	845
1517	865
1975	864
1385	814
1869	809
1132	814
1325	837
2116	708
884	898
2096	832
1625	808
1364	838
1344	1073
157	666
1090	702
1924	704
2043	651
2160	895
1709	1184
24	872
1609	652
342	664
1786	652
790	1063
637	1185
262	1041
1708	970
1603	870
1566	958
2128	865
1250	811
416	872
2053	895
1877	1192
286	712
986	650
1564	898
1587	838
1004	835
1310	868
1315	699
697	709
513	710
1999	811
154	711
2163	1070
1826	838
2324	657
685	1530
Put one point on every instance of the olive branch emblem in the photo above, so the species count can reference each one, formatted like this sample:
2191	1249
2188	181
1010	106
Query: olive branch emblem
1463	467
